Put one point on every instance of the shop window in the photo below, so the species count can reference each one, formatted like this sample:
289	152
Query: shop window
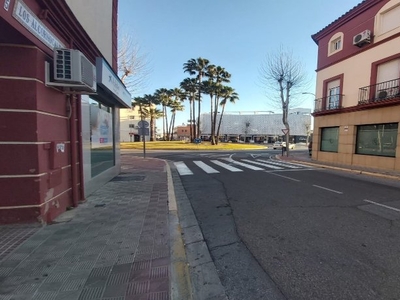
101	137
377	139
329	139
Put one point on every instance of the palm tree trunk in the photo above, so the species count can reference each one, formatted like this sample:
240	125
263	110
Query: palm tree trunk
190	120
170	129
194	120
220	119
166	123
151	128
199	107
212	121
172	125
215	118
163	122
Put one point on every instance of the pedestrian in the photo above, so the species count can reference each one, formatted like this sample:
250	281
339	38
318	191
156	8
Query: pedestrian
283	148
309	148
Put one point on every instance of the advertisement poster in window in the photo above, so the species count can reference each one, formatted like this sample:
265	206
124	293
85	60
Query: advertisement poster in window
101	127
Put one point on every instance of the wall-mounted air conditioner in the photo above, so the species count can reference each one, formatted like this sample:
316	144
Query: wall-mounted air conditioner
362	38
74	69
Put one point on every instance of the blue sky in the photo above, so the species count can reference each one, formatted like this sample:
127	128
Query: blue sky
234	34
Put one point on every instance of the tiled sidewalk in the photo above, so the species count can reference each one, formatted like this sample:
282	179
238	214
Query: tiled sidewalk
114	246
11	236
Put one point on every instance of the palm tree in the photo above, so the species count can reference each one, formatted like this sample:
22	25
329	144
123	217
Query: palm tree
227	94
211	88
190	86
176	105
153	113
197	67
177	97
140	102
163	97
216	76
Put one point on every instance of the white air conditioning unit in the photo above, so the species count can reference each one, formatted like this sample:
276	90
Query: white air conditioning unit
362	38
73	68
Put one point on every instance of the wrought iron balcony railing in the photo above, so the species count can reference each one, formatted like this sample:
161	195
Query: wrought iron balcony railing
328	103
378	92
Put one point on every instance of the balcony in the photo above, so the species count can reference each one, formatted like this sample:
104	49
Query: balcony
332	102
379	92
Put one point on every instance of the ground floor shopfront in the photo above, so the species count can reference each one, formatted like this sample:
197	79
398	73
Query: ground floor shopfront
365	136
56	145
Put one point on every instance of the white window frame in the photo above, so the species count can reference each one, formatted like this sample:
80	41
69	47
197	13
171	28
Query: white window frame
380	32
333	94
335	44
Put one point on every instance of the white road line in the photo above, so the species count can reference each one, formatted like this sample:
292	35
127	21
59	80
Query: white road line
182	168
245	165
263	164
287	165
290	178
324	188
204	167
293	164
383	205
226	166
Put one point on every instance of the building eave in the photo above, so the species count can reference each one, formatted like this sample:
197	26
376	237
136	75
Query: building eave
352	13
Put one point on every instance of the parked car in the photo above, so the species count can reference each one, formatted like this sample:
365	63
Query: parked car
291	146
277	145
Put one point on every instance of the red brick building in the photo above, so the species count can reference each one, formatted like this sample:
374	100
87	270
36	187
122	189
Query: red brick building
183	132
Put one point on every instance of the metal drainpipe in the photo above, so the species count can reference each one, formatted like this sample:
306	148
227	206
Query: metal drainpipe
74	154
80	150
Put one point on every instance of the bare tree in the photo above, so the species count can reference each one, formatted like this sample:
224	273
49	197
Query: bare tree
133	65
282	76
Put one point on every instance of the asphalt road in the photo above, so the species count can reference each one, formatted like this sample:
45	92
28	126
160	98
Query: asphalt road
295	233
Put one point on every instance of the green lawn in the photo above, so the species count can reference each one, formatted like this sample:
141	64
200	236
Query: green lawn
178	145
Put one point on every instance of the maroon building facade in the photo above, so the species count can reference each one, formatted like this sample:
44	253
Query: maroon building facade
41	160
357	105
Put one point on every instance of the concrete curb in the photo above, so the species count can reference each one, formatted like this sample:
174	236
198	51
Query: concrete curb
205	283
180	287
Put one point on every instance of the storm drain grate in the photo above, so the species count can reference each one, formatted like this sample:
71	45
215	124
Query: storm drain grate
129	178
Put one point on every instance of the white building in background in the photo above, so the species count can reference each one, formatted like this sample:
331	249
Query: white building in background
259	126
129	125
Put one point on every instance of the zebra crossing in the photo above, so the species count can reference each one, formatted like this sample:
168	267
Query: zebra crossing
214	166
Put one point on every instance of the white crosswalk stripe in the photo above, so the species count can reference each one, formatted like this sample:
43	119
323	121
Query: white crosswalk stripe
205	167
226	166
267	165
182	168
251	167
277	163
263	164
